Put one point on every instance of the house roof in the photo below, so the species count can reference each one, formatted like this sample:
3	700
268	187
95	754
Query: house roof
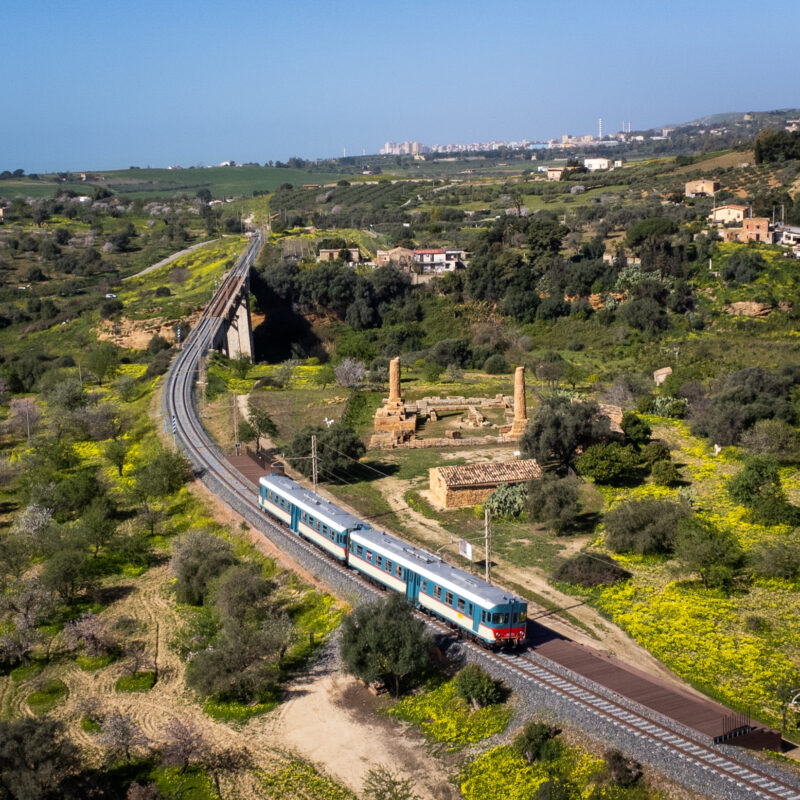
489	473
429	251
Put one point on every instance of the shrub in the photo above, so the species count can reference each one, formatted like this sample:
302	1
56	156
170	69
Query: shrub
607	463
635	428
495	365
665	473
553	501
653	452
622	771
47	696
536	742
197	559
477	687
590	569
777	559
644	526
138	682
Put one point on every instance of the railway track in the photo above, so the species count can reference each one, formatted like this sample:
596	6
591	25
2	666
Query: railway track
706	767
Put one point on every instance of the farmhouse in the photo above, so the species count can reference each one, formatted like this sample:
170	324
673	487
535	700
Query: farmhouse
705	187
331	254
726	214
593	164
402	256
470	484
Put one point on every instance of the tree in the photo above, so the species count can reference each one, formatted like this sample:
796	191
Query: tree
66	572
240	592
25	416
495	365
477	687
185	744
607	463
536	742
350	373
381	783
636	430
116	452
758	486
122	736
246	432
553	501
241	366
384	641
560	428
714	554
97	526
262	422
338	450
163	474
643	526
90	631
198	558
35	758
225	761
102	361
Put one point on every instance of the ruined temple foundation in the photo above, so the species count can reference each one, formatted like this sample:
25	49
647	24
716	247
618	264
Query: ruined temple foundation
392	423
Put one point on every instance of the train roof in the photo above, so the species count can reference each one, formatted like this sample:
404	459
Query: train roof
319	507
431	566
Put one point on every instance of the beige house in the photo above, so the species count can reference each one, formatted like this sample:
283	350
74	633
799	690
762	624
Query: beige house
354	255
470	484
555	173
754	229
723	215
705	187
402	256
593	164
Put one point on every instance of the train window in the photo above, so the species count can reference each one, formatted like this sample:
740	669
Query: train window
437	592
448	598
505	619
514	618
469	610
388	565
398	570
522	616
461	605
483	616
325	529
359	550
497	619
369	555
379	560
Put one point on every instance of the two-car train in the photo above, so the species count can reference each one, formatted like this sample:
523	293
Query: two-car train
484	612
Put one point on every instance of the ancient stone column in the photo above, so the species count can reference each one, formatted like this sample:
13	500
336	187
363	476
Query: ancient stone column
520	406
394	380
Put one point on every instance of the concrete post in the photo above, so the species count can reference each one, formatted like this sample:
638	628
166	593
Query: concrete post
394	380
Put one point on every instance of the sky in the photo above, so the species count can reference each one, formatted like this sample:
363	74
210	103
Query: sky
102	85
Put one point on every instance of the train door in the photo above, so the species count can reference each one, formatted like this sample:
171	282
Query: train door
295	524
412	586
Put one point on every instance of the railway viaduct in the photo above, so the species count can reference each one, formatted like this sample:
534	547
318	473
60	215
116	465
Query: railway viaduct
234	335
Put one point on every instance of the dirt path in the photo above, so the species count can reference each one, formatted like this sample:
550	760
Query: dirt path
169	259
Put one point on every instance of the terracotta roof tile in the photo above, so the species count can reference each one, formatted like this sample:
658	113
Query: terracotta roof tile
489	472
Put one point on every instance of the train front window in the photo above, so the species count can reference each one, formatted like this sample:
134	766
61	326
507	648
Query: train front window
497	618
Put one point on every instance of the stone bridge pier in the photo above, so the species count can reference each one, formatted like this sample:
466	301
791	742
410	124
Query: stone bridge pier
235	335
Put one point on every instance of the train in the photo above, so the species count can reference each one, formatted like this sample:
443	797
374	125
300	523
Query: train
475	608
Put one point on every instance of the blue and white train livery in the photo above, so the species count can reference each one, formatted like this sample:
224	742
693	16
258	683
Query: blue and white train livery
485	612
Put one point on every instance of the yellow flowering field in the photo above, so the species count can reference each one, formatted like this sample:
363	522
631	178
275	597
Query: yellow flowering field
738	647
444	717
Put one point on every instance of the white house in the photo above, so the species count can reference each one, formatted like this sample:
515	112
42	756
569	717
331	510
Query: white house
593	164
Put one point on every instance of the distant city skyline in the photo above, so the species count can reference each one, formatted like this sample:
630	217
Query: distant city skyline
91	85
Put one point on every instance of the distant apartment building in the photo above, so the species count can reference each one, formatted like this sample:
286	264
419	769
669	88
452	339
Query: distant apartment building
705	187
723	215
594	164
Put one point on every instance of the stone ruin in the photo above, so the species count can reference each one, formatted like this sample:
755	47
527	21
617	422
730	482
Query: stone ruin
395	422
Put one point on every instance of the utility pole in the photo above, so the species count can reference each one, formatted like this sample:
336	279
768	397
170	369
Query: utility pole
314	460
236	422
487	543
28	418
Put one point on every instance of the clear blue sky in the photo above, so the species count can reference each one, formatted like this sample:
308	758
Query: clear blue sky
96	85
